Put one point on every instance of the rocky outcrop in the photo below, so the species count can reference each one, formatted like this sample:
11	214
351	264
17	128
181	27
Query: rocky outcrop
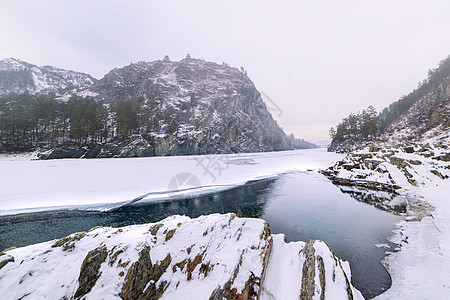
358	166
194	107
59	153
4	259
299	270
217	254
391	171
89	271
211	257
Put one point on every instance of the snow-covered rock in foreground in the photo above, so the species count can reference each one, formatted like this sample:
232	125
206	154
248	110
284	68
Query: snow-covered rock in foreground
211	257
321	274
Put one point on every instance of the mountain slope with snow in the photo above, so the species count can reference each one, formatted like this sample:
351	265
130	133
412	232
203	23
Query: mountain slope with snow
194	107
18	77
422	114
429	111
147	109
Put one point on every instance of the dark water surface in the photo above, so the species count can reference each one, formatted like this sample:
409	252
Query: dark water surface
301	205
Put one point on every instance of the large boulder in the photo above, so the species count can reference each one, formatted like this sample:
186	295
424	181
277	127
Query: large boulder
211	257
59	153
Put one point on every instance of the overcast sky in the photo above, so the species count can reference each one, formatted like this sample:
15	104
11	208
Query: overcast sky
317	60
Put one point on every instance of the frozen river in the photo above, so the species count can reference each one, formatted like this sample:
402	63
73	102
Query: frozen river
75	195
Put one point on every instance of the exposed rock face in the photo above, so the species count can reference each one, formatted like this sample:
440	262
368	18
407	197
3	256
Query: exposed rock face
394	170
308	271
89	271
194	106
141	277
211	257
17	76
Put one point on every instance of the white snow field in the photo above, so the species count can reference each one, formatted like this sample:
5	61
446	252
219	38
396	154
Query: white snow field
28	185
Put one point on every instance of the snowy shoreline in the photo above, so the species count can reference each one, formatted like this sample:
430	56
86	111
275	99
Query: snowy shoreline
419	269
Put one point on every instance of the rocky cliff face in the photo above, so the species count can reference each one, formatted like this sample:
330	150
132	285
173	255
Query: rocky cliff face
148	109
194	107
18	77
211	257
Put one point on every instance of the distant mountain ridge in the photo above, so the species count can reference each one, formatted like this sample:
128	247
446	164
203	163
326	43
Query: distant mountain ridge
163	107
17	76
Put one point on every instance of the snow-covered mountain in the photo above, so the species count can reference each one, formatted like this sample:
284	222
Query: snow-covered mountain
18	76
322	143
148	109
194	107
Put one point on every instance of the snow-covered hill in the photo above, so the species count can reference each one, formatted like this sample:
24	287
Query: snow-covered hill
422	114
17	76
429	114
211	257
412	160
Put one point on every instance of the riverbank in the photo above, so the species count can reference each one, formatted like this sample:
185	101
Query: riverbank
420	269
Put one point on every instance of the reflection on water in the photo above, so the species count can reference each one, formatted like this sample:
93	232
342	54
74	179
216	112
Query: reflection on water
386	201
300	205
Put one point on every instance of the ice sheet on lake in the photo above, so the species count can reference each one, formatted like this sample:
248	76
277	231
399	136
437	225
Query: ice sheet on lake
105	183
